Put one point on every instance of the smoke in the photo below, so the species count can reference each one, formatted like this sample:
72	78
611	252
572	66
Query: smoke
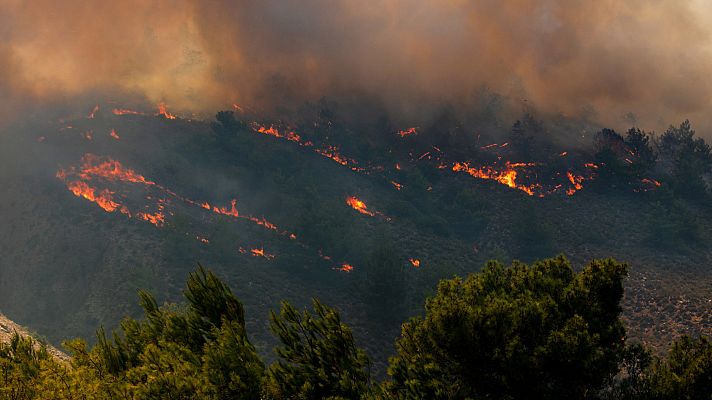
648	59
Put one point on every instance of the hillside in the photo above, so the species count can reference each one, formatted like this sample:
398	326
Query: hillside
9	328
69	266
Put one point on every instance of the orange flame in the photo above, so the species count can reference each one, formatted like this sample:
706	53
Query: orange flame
162	110
345	267
414	262
257	253
576	181
272	131
359	206
407	132
103	199
507	177
114	135
109	169
125	111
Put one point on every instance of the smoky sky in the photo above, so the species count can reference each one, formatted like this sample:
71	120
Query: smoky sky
650	58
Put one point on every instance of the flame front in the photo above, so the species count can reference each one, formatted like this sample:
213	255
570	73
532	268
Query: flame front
359	206
506	176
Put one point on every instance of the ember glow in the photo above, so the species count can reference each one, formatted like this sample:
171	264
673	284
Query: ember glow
359	206
257	252
414	262
93	112
345	267
114	135
407	132
125	111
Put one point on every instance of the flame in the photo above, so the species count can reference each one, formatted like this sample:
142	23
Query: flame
114	135
231	212
93	112
507	176
576	181
359	206
272	131
158	219
407	132
651	182
345	267
397	185
109	169
126	111
103	199
414	262
563	153
202	239
257	253
162	110
89	135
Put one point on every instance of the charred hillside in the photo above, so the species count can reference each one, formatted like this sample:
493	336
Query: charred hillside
359	212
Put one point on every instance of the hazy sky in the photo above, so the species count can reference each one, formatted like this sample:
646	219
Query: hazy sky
648	57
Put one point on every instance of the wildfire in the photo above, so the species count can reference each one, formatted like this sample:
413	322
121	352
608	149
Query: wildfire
359	206
507	176
272	131
407	132
125	111
651	182
109	169
106	169
257	253
345	267
114	135
162	110
93	112
158	219
396	185
103	199
576	181
414	262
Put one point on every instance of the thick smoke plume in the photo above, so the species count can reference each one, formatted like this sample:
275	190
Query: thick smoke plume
648	58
